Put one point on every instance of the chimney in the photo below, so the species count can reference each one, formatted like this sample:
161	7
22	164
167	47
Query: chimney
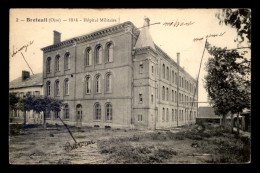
178	58
147	21
56	37
25	75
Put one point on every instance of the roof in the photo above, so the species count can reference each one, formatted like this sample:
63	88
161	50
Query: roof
33	80
145	38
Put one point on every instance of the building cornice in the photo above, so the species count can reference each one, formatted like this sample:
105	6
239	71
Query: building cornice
126	26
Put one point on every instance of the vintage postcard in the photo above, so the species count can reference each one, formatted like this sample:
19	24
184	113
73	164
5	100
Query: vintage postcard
129	86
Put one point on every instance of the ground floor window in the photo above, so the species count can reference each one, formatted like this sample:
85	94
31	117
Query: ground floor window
56	115
140	117
97	112
66	112
108	112
48	114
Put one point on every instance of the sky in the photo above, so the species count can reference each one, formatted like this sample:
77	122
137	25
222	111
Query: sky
198	23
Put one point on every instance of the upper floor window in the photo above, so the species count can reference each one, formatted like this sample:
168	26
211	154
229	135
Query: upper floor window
167	73
48	65
176	79
163	93
98	87
88	85
172	115
163	71
57	88
66	112
172	76
98	55
48	88
66	86
108	112
167	115
152	98
109	52
67	61
88	57
141	67
108	83
167	94
97	112
140	98
57	63
152	69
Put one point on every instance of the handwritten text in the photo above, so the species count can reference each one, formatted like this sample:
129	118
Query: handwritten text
24	47
69	147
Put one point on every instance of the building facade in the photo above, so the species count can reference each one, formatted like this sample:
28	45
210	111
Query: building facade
23	85
117	77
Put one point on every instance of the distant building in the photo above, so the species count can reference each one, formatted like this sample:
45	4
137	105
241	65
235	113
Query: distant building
117	77
21	86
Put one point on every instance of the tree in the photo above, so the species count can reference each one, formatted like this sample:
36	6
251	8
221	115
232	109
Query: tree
239	19
228	81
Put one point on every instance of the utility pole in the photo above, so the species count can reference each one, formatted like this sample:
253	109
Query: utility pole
178	64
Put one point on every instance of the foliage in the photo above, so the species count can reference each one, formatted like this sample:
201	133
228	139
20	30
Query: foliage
228	80
239	19
13	100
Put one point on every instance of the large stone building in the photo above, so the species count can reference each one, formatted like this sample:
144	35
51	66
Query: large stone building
26	84
117	77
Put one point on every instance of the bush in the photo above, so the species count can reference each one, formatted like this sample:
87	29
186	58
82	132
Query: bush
15	129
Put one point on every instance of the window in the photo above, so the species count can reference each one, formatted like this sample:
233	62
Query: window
57	88
109	52
152	98
97	112
88	85
172	76
175	115
140	117
141	67
66	112
66	86
108	112
167	94
67	61
163	71
108	83
48	115
163	114
140	98
98	57
36	93
176	80
48	65
152	69
88	57
172	115
48	88
157	91
56	115
167	73
167	115
57	63
98	90
175	96
172	96
163	93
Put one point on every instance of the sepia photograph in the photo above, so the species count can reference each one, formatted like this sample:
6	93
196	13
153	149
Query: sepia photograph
129	86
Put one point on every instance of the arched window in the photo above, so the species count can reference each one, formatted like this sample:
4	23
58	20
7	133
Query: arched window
108	112
172	76
98	87
163	71
88	85
67	61
167	73
109	52
48	65
97	112
163	114
172	115
66	112
167	115
57	88
172	96
108	83
48	88
163	93
176	80
57	63
167	94
88	57
98	55
66	86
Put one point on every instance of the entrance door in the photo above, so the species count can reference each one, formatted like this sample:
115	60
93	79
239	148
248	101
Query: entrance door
79	115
